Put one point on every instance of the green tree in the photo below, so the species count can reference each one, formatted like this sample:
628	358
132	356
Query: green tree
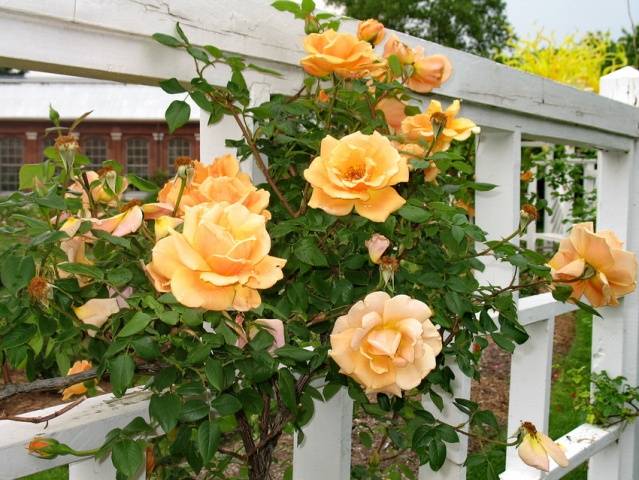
475	26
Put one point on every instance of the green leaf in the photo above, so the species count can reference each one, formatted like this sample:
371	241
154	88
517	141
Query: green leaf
198	54
136	324
194	410
177	115
436	454
200	99
286	383
146	347
32	171
503	342
307	7
295	353
119	276
214	371
119	241
170	317
214	51
414	214
395	65
17	272
208	439
226	404
52	200
166	409
141	183
122	369
172	85
82	269
287	6
128	457
587	308
20	335
308	251
54	116
167	40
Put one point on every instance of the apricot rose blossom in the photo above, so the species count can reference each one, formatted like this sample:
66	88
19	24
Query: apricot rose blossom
339	53
536	446
357	171
594	265
386	344
222	181
219	261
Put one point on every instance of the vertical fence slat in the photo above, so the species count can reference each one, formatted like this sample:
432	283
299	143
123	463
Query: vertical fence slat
615	338
91	469
325	452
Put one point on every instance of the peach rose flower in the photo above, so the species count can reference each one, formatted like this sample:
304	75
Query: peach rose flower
222	181
76	389
371	31
97	311
594	265
386	344
121	224
357	171
339	53
273	326
444	125
219	261
429	71
535	448
404	53
393	110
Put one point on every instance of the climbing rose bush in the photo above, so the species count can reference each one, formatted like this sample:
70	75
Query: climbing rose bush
347	263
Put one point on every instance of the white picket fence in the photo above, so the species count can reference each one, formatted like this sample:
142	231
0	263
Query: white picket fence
110	39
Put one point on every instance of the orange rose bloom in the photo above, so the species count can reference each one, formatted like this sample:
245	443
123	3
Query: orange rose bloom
527	176
77	389
424	127
219	261
393	110
404	53
222	181
357	171
339	53
430	71
371	31
386	344
594	265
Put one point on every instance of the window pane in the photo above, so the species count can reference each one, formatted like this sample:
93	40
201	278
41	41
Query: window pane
11	157
96	149
137	156
178	147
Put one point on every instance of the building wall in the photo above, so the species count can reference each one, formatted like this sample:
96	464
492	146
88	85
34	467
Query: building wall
143	148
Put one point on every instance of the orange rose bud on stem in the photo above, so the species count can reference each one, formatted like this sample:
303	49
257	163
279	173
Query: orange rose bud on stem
371	31
535	448
48	448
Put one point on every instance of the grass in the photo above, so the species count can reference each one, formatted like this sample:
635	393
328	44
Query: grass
563	418
562	415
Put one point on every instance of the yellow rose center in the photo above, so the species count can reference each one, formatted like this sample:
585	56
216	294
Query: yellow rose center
355	172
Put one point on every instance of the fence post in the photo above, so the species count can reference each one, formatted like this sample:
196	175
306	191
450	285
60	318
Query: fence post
615	338
325	453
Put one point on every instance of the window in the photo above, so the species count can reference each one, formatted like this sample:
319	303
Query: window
11	158
178	147
137	156
96	149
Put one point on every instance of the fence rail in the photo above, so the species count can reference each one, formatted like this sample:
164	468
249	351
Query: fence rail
110	39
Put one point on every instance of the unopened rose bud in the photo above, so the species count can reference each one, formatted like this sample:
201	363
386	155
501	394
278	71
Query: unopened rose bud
371	31
311	25
527	176
529	212
323	97
67	146
44	447
377	245
185	168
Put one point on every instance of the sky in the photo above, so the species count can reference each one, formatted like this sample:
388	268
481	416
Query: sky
565	17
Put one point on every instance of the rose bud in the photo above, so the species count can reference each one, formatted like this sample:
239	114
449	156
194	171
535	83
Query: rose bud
377	245
371	31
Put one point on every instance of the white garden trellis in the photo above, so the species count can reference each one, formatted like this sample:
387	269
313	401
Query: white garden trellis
110	39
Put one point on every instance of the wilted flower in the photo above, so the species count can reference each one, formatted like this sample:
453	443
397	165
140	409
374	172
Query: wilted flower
273	326
527	176
535	448
339	53
98	310
39	289
386	344
357	171
219	261
529	212
74	247
371	31
470	210
377	245
594	265
77	389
